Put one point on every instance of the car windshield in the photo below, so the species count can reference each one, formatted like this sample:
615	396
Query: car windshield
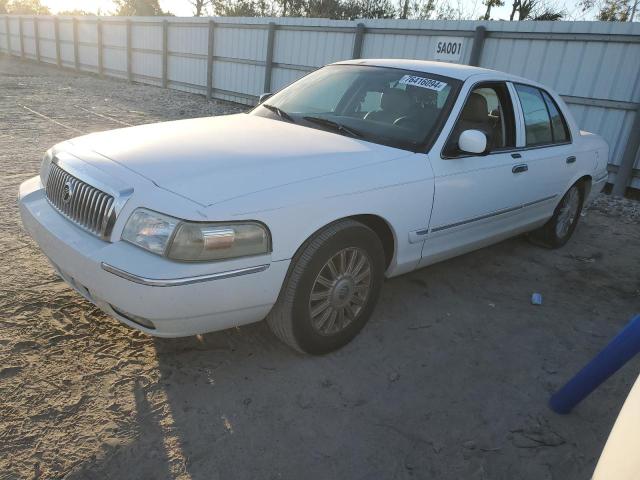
395	107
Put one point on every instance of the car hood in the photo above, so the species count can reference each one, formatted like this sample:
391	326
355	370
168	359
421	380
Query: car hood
213	159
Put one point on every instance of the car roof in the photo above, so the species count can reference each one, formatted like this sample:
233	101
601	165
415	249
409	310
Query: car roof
453	70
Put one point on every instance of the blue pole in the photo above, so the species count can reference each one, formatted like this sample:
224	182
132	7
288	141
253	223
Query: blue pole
618	352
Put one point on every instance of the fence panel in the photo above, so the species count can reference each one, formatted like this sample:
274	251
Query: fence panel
65	30
595	66
47	40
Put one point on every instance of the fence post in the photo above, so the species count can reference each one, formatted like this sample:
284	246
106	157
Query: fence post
357	41
36	33
7	30
56	35
625	171
478	44
100	49
20	20
210	60
129	47
165	53
271	33
76	47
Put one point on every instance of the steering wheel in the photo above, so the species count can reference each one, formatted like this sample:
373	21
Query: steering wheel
403	121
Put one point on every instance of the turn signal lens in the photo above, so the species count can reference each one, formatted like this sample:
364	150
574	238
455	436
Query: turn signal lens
202	242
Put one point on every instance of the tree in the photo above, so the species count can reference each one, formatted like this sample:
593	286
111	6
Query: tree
534	10
143	8
490	4
200	7
75	13
611	10
3	6
617	11
25	7
549	16
235	8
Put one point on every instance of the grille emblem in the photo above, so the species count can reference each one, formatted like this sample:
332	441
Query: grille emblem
67	192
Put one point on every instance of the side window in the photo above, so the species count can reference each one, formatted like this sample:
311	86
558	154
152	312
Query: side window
536	116
559	127
488	109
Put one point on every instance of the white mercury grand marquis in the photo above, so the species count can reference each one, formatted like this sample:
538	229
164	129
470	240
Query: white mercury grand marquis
296	211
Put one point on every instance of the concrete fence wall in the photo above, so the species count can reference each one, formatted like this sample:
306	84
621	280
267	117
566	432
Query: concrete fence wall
595	66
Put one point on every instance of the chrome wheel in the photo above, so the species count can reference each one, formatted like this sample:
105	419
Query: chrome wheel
340	291
568	212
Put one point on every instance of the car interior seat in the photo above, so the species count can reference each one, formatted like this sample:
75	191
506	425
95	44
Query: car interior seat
394	103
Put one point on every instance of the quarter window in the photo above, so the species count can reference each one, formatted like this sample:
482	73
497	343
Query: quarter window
558	123
544	124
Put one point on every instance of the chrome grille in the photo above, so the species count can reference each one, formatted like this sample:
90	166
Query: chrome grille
86	206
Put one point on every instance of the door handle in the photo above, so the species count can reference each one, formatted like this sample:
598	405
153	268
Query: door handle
571	159
516	155
520	168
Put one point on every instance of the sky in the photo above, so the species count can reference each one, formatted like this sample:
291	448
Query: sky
182	7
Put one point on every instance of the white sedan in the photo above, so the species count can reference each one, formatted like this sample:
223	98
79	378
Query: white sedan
297	211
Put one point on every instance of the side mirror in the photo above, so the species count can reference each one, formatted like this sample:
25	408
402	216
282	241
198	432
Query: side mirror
264	97
473	141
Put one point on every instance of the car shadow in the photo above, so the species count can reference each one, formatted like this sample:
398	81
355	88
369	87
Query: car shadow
449	379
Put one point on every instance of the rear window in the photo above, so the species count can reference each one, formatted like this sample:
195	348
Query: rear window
559	127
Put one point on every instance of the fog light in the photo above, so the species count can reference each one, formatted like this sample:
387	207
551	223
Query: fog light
145	322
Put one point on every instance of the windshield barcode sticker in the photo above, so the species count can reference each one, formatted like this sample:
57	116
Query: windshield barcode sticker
422	82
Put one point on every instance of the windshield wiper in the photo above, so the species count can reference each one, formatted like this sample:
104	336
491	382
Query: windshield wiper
335	125
278	111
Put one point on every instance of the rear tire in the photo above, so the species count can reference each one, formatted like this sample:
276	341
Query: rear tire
558	230
331	289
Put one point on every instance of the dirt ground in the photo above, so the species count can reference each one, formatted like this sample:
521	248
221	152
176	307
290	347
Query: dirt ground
449	380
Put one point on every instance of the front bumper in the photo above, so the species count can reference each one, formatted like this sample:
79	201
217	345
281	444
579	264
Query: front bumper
135	287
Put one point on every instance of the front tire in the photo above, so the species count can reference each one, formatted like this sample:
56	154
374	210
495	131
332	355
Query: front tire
331	289
558	230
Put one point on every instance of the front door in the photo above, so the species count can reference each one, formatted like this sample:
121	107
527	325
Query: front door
478	198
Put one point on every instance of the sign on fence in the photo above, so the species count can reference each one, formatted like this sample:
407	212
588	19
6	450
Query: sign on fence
449	48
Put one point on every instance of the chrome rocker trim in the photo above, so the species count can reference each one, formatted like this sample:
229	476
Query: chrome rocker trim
488	215
174	282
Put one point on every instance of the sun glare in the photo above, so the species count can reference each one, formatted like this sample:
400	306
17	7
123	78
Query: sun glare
106	7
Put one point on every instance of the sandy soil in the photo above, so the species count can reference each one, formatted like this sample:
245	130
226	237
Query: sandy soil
449	380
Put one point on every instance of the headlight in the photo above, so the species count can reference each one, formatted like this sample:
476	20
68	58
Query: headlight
195	241
149	230
45	167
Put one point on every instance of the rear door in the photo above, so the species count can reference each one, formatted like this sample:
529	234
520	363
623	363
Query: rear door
546	150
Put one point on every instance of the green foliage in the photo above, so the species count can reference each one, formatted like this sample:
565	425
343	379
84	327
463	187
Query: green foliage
74	13
490	4
534	10
201	7
141	8
334	9
24	7
614	11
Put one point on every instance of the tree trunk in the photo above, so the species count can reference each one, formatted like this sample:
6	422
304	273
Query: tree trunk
514	9
405	10
487	14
